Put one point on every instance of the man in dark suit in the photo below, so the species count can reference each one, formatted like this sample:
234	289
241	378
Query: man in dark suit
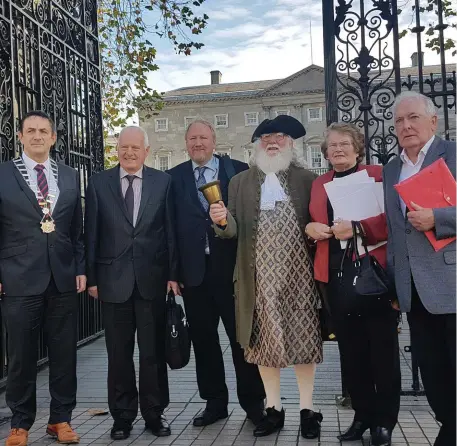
41	271
424	278
206	266
131	255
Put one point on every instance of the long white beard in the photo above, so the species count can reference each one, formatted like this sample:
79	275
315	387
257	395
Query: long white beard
273	164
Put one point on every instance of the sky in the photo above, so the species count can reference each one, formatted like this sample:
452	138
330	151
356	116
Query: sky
250	40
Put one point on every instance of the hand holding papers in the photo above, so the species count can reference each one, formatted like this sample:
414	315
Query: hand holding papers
356	197
433	187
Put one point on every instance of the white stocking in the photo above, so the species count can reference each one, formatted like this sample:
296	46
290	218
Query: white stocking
271	378
305	380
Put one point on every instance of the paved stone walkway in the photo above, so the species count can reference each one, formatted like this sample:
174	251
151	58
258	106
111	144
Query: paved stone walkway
417	425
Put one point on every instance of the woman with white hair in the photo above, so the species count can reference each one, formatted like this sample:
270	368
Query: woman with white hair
277	302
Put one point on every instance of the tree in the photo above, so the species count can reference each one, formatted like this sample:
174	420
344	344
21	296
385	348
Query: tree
449	18
127	54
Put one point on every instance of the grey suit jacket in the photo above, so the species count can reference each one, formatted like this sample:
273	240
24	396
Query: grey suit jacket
410	254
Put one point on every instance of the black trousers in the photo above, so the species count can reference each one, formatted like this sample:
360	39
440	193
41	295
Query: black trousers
121	321
205	306
434	344
370	362
24	317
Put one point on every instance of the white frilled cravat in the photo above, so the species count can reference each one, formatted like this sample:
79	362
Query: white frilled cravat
271	191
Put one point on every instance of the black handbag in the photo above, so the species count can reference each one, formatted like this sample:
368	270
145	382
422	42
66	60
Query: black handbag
361	285
177	339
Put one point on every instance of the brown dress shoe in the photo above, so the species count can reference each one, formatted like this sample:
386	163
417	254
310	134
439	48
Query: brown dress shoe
63	433
17	437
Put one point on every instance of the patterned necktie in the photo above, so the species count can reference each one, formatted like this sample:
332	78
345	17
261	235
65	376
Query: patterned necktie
200	182
129	199
41	180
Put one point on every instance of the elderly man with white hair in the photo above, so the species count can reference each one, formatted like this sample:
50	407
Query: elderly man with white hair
277	302
424	278
131	258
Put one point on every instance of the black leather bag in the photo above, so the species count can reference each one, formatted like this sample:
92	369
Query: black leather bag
177	339
361	285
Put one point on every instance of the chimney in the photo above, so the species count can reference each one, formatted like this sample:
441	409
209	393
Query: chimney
216	77
415	59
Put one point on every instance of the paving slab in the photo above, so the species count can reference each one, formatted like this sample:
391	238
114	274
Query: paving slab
417	425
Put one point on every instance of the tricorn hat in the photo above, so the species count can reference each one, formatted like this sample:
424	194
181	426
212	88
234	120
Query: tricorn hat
281	124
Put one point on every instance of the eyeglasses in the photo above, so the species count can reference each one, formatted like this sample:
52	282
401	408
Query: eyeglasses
342	145
273	136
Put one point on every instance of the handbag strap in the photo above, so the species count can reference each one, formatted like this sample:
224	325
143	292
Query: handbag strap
360	230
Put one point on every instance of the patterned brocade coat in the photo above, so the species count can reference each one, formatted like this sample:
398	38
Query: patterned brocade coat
244	207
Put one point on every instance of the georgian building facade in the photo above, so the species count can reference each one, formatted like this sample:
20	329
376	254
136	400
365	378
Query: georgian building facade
236	109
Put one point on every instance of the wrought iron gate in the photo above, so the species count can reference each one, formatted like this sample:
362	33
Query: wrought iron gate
363	76
49	61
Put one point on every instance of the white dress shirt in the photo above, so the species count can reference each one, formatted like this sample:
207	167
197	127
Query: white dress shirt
409	168
137	186
33	174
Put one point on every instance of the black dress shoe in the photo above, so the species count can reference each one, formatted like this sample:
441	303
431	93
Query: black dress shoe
159	426
354	432
256	416
310	423
272	422
381	436
121	430
208	417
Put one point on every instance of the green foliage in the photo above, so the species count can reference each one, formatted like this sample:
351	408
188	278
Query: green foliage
432	28
127	56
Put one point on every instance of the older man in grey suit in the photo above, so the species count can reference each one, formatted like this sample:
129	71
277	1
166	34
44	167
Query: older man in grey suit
424	279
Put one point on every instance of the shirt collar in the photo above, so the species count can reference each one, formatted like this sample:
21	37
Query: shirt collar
123	173
211	164
422	154
31	164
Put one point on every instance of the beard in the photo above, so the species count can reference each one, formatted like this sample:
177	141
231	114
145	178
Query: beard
273	164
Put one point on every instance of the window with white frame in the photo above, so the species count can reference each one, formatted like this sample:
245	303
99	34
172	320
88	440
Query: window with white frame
188	120
282	112
314	114
315	156
163	162
251	118
221	121
223	152
161	124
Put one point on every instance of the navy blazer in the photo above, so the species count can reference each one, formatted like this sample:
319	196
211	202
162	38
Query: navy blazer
28	257
192	223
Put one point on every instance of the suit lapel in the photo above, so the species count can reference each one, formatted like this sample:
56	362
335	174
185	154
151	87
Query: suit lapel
435	151
26	189
115	186
190	186
62	185
146	191
223	178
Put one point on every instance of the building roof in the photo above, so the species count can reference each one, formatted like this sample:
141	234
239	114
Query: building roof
242	90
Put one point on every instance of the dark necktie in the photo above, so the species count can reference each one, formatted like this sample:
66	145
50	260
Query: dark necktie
41	180
129	199
201	181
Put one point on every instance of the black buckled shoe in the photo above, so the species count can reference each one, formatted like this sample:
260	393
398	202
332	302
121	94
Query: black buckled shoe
158	426
272	422
354	432
381	436
208	417
121	430
310	423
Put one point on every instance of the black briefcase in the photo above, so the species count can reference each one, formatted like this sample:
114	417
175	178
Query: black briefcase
177	339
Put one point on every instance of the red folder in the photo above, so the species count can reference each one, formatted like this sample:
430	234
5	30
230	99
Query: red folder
432	187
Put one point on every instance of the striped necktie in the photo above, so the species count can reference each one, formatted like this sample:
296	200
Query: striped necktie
201	181
41	180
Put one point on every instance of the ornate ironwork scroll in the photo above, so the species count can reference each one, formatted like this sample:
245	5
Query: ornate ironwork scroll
49	60
363	74
368	71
